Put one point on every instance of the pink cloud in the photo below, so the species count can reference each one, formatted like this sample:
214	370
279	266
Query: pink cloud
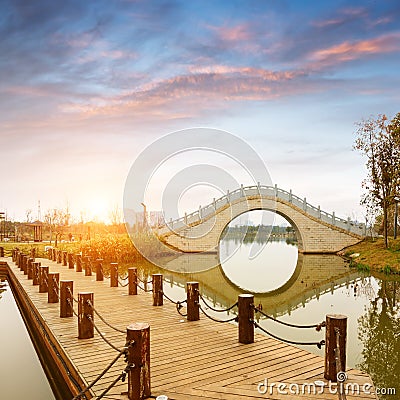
189	95
348	51
233	34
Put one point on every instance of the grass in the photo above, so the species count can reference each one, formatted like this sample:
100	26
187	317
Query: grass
374	257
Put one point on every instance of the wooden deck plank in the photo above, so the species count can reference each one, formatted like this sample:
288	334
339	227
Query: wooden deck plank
189	360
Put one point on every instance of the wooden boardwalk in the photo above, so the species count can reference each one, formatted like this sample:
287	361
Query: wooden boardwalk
189	360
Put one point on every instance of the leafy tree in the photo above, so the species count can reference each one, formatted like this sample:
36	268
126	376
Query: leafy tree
379	140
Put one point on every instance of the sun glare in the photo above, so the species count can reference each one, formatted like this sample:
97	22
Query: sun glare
98	210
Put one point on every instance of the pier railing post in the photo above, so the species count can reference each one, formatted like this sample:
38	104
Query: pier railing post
43	273
33	252
246	318
50	253
64	258
132	281
157	281
35	273
59	256
18	259
66	300
85	315
192	300
114	275
70	261
138	340
52	284
99	270
87	266
1	251
53	254
336	324
29	267
25	264
78	258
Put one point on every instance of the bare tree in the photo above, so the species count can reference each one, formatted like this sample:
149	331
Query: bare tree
57	220
379	140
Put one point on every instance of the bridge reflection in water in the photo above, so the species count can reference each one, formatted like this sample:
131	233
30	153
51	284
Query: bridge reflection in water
314	275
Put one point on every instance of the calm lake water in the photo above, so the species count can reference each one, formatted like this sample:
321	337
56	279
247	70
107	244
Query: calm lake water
21	374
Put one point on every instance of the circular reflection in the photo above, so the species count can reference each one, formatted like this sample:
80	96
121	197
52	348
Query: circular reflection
271	268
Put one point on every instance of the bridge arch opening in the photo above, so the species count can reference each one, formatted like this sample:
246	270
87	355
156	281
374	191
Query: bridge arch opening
257	257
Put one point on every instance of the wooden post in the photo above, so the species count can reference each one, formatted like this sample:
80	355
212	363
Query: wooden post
33	252
50	253
25	264
85	315
35	273
1	251
335	322
54	254
192	299
29	268
114	275
99	270
64	258
66	301
78	262
70	261
138	339
157	280
87	266
245	318
52	283
59	256
13	253
132	279
43	272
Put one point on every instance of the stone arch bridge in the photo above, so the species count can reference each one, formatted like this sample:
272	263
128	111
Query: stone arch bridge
317	231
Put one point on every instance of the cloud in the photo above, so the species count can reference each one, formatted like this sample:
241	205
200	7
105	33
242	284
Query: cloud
236	33
354	50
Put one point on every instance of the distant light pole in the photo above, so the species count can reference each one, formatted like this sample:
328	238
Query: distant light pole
396	206
144	214
2	225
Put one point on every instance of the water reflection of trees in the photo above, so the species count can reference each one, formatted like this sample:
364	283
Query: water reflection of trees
379	331
2	287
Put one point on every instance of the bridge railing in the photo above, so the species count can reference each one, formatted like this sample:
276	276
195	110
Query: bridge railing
262	190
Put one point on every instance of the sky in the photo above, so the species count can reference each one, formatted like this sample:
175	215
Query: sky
87	85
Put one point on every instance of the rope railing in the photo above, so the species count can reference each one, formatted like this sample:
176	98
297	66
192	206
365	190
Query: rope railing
142	281
123	282
102	373
89	317
102	319
218	320
317	327
169	299
179	306
216	309
144	288
318	344
72	296
120	377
